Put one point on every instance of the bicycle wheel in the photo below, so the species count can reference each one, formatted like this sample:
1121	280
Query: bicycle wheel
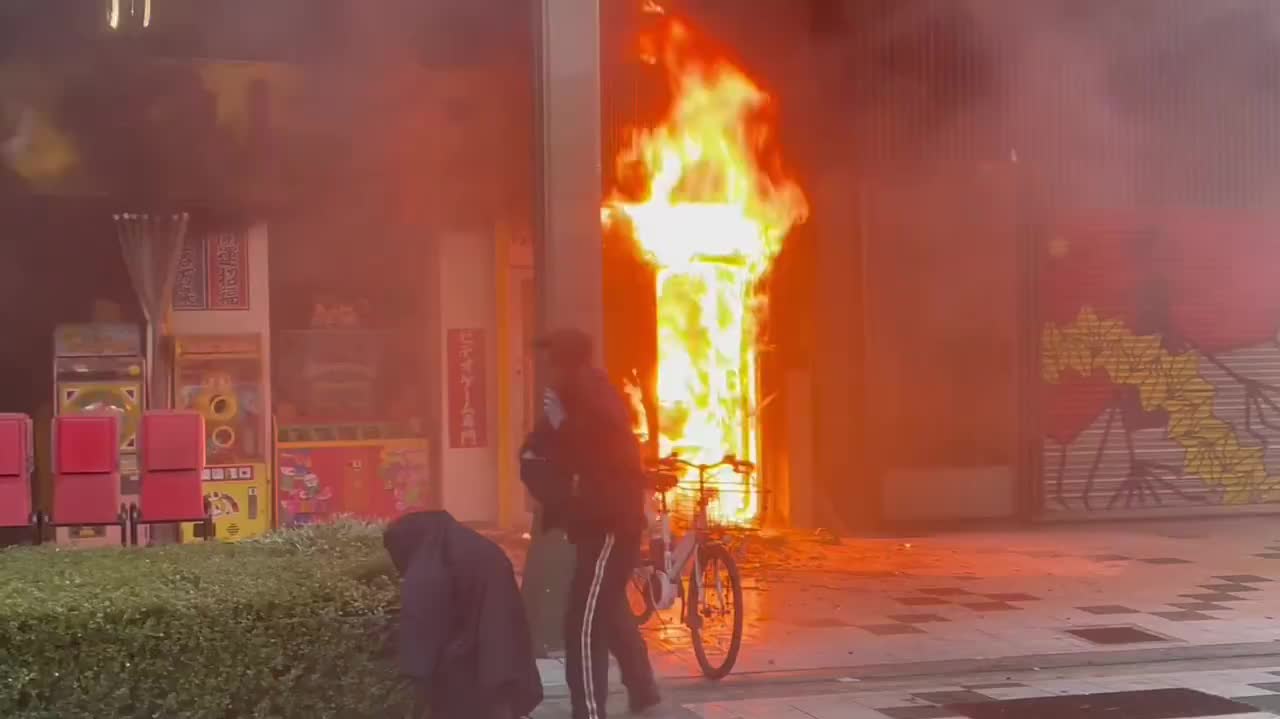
716	611
639	598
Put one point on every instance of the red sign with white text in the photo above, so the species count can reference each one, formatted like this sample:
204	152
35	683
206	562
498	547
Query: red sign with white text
467	419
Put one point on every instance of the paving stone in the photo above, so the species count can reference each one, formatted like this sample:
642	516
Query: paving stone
1229	588
995	685
1144	704
1109	609
918	618
1116	635
991	607
1202	607
885	630
917	713
1015	597
1215	597
823	623
1165	561
1244	579
1186	616
952	697
1045	554
922	601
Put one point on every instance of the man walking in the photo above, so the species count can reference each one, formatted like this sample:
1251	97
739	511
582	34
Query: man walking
586	437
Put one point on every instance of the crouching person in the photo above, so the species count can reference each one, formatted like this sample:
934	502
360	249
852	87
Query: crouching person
464	638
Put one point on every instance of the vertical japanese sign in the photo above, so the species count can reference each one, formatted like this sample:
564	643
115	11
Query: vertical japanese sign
228	271
467	420
190	288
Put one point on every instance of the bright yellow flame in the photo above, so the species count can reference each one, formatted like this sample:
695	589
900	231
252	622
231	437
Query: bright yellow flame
113	15
146	13
711	221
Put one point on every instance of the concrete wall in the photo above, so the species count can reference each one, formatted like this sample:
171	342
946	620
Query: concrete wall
942	307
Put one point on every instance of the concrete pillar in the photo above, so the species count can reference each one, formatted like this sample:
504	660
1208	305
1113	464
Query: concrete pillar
843	493
468	475
568	242
569	246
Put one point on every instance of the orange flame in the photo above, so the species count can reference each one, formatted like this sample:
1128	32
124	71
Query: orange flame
711	220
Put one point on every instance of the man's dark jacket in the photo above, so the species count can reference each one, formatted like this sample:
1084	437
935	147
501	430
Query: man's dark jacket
588	474
463	630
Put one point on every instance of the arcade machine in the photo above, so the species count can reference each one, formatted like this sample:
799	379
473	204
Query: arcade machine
221	377
101	367
339	450
374	470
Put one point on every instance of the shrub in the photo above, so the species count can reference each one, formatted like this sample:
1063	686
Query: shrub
296	624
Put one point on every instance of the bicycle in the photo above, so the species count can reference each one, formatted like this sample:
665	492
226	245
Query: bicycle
658	580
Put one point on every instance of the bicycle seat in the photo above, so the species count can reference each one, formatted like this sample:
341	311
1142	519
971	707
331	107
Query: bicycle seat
663	481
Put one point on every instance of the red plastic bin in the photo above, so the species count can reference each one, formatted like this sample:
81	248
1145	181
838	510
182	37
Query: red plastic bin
88	499
172	440
15	445
86	444
15	501
176	496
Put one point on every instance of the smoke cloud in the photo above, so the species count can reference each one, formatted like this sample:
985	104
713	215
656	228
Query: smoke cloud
1126	102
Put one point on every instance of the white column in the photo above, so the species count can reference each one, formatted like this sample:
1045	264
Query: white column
466	271
569	245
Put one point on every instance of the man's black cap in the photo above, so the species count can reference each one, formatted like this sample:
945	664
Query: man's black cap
568	348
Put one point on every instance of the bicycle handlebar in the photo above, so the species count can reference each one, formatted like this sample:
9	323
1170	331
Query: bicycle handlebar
741	466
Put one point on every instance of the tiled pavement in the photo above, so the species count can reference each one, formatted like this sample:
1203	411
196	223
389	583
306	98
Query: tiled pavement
1241	694
1130	692
890	624
965	596
1049	597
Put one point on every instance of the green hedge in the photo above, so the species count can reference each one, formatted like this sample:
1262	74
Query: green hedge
297	624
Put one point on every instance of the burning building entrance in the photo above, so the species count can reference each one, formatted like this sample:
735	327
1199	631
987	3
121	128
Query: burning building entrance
708	207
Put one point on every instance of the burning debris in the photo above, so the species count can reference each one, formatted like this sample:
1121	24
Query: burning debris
710	220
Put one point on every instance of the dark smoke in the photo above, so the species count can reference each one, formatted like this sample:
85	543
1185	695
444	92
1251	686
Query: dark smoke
1129	102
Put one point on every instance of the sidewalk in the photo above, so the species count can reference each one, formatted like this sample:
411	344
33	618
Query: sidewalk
1243	693
868	606
1242	688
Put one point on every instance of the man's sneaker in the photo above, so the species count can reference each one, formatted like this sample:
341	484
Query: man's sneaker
642	701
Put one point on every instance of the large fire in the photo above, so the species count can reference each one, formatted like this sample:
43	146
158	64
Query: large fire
711	219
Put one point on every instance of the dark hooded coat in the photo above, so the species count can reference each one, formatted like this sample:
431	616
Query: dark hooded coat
597	446
464	636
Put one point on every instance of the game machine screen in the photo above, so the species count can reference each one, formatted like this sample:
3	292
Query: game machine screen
221	377
340	449
100	367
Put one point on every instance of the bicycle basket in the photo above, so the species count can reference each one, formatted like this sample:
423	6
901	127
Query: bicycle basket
732	501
